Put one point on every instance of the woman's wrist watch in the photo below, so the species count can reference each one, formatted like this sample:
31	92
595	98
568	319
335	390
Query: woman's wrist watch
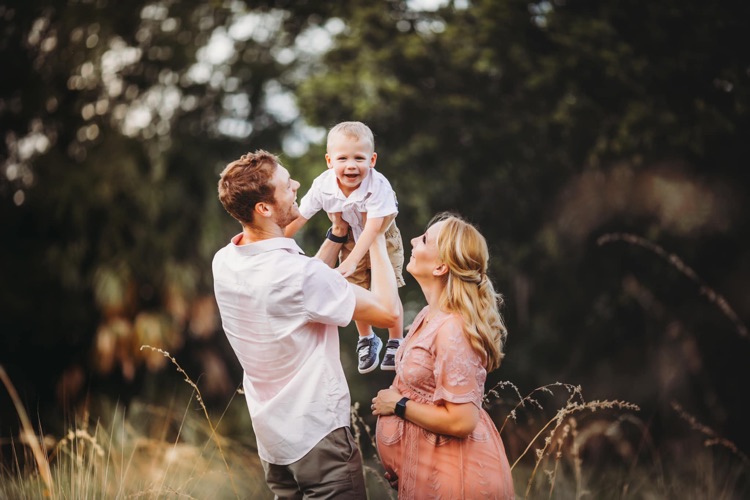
400	409
334	238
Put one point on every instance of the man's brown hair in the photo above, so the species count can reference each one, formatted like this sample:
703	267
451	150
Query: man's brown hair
247	182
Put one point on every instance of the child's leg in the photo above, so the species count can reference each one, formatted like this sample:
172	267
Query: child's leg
363	328
368	348
395	336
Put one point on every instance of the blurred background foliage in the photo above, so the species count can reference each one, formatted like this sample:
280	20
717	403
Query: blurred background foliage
548	124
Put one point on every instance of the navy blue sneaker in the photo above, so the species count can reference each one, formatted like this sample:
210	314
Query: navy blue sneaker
389	360
368	353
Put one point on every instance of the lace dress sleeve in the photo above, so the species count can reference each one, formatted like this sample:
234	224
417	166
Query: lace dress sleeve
459	373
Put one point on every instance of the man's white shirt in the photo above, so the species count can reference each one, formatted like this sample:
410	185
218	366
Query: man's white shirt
280	311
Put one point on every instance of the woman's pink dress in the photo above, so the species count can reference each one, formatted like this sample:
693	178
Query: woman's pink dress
433	365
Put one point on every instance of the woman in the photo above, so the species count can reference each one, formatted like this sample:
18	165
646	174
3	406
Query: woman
433	436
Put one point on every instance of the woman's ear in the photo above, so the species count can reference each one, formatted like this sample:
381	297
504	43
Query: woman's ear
440	270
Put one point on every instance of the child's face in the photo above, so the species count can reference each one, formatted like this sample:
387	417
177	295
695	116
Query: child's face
351	159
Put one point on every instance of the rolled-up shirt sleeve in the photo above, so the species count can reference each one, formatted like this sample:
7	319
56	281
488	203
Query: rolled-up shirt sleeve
328	297
311	203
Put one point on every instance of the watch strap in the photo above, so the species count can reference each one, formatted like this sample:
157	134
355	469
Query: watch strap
334	238
400	409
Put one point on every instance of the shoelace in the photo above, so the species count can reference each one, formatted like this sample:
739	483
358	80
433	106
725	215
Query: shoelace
364	351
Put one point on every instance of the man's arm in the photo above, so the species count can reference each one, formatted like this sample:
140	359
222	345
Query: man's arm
379	306
294	226
364	242
329	250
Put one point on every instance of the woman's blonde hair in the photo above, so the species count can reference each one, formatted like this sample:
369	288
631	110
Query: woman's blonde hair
469	291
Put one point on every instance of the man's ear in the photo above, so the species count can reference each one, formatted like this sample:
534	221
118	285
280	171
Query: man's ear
263	209
440	270
374	159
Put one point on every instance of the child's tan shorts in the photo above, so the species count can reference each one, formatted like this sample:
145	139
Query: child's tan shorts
395	246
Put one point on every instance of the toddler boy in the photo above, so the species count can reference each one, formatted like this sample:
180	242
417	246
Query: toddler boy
366	201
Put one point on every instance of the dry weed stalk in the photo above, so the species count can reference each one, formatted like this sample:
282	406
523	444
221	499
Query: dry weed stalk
28	433
574	392
84	435
558	419
575	453
357	418
713	438
199	398
574	403
713	296
552	475
86	458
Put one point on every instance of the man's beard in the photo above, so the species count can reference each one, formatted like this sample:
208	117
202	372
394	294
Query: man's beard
283	219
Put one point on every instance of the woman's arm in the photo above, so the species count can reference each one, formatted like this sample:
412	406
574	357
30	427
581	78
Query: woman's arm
451	419
452	352
380	306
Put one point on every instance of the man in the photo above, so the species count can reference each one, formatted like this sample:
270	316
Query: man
280	311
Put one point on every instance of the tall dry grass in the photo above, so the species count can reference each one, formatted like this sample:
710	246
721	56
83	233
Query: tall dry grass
560	446
144	452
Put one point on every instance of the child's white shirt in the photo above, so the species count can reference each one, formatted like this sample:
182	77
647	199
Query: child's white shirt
374	196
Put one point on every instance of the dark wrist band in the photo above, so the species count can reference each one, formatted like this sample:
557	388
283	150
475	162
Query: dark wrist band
334	238
400	409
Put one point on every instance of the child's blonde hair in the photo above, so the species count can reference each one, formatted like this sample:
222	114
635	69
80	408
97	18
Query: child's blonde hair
353	130
469	290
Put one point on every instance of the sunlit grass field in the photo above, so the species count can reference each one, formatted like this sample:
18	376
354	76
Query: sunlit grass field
559	444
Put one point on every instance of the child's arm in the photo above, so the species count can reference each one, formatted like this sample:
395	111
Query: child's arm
372	227
294	226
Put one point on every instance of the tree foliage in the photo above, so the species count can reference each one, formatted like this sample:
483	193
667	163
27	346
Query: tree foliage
117	121
548	124
552	123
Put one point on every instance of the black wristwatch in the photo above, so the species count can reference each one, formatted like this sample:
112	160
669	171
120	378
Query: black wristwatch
334	238
400	409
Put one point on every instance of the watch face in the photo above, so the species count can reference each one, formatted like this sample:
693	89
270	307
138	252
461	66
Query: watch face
401	407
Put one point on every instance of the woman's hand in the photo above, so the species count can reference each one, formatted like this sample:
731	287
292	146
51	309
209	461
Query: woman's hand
385	402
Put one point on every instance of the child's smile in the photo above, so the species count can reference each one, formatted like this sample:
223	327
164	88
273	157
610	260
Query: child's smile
351	159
